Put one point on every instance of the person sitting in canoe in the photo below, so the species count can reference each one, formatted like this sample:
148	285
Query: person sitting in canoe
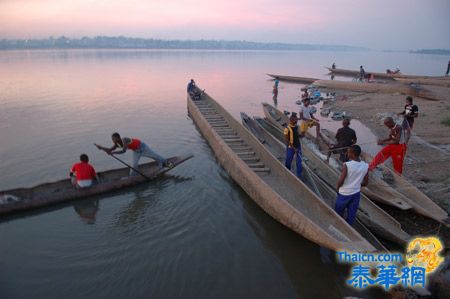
293	146
354	175
139	149
83	174
192	90
345	137
395	147
333	66
307	119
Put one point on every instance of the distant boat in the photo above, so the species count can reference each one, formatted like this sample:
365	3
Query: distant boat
375	87
356	73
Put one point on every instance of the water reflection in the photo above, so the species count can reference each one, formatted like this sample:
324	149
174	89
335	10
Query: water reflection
87	210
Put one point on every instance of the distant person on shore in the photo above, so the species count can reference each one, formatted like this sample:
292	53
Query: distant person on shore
307	119
448	68
82	174
333	66
139	149
410	112
293	147
354	175
345	138
395	147
277	81
362	73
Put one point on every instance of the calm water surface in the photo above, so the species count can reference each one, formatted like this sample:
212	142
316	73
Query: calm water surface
191	234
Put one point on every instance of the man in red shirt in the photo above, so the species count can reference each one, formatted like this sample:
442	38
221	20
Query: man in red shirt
395	147
83	174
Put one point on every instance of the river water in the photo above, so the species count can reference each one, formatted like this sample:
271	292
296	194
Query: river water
191	234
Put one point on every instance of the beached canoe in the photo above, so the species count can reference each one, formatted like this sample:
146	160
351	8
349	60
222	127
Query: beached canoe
424	81
22	199
381	223
398	187
355	73
265	180
303	80
373	87
395	87
378	190
323	191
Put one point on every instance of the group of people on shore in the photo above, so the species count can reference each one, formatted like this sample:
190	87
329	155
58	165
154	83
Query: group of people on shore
355	172
83	174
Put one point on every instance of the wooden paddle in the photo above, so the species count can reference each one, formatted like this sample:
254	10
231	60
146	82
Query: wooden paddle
129	166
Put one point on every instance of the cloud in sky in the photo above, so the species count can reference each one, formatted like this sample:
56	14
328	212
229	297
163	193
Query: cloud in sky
398	24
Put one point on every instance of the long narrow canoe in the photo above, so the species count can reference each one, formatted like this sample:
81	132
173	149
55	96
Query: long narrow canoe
264	179
424	81
394	87
22	199
317	185
398	193
380	222
303	80
355	73
400	187
378	190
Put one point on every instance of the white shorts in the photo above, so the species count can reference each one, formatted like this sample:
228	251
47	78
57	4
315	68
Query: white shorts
84	183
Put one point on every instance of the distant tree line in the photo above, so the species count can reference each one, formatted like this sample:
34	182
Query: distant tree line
432	51
121	42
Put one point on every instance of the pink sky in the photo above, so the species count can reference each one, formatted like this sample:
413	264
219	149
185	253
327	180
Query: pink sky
402	24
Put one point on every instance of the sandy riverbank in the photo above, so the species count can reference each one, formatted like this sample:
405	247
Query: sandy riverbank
427	164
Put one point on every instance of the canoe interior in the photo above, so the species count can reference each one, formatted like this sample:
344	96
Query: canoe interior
324	191
388	184
380	222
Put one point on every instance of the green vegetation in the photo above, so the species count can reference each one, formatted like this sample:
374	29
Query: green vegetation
446	121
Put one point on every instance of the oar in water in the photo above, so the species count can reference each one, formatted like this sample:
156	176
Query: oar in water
129	166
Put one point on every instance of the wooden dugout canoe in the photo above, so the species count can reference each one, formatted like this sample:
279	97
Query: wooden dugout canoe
378	190
424	81
377	220
400	187
355	73
323	191
414	91
264	179
22	199
303	80
393	87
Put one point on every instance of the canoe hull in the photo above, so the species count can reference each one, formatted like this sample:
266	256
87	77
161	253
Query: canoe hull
63	191
381	223
354	73
336	235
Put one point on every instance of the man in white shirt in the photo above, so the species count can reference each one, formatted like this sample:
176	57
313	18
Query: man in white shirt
307	119
354	175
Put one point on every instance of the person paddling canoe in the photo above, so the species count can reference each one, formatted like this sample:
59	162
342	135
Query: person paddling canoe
139	149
